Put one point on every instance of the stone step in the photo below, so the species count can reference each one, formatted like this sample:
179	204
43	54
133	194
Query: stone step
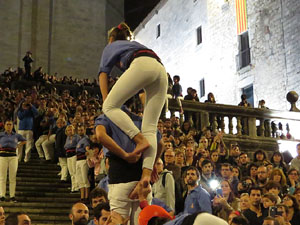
38	205
34	174
45	194
42	189
21	183
39	167
39	211
39	179
47	199
37	171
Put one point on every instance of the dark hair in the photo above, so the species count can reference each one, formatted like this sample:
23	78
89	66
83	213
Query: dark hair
12	218
98	192
227	165
271	197
240	220
250	166
291	170
120	32
256	188
281	163
258	152
98	209
158	220
205	161
295	202
176	77
193	168
272	184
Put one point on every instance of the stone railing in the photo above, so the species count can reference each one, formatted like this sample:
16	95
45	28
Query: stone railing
252	128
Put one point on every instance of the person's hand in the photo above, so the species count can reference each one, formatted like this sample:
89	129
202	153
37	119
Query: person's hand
144	189
293	183
132	157
116	218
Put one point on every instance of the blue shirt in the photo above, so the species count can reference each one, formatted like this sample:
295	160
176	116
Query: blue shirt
118	135
70	145
118	51
178	220
26	118
80	148
197	200
104	184
9	142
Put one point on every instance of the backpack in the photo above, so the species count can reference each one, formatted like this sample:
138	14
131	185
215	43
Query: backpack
179	200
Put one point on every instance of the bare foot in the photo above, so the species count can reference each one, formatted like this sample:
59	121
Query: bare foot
141	143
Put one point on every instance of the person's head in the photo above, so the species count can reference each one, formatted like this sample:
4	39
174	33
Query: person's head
168	123
211	97
203	142
207	167
8	126
18	218
226	187
214	156
169	156
192	176
97	196
259	156
120	32
278	176
252	170
270	221
189	152
179	157
244	201
159	166
2	216
269	200
293	174
101	213
255	196
168	145
235	149
273	188
81	130
176	78
79	214
297	194
70	130
291	202
277	158
226	171
262	174
61	123
298	149
243	158
236	172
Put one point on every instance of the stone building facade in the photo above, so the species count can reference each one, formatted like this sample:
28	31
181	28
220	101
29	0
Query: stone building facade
64	36
273	31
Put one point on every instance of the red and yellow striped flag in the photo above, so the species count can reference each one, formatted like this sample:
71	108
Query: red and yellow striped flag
241	15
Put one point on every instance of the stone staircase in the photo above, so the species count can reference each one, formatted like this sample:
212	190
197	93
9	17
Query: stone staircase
40	194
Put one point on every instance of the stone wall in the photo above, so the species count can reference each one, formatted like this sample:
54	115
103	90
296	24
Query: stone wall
274	30
66	37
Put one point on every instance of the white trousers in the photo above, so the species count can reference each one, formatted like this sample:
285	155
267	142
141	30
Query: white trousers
38	145
10	164
122	204
48	147
71	163
82	170
148	74
28	135
63	168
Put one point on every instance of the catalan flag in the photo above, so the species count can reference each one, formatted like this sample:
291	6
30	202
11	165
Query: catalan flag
241	15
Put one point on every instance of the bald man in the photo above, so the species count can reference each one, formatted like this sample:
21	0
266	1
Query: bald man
79	214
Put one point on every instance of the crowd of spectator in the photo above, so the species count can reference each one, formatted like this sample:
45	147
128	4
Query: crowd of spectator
197	171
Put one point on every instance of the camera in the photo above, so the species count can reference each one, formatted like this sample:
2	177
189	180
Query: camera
273	211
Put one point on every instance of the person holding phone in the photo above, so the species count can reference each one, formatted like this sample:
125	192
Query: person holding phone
225	202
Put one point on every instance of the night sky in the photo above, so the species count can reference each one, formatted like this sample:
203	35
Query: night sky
137	10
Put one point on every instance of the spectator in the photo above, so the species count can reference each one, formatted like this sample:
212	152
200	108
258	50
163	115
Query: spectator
207	176
210	98
79	214
244	201
26	114
177	92
169	157
164	187
17	218
295	163
262	176
278	161
244	101
2	216
254	213
259	157
223	205
278	176
293	178
198	198
243	163
270	221
27	64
